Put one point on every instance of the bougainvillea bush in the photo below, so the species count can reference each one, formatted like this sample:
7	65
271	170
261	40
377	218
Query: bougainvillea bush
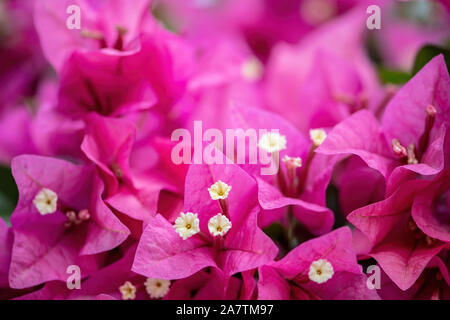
224	149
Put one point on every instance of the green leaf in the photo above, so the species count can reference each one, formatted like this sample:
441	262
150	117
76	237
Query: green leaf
275	231
332	200
8	193
393	76
428	52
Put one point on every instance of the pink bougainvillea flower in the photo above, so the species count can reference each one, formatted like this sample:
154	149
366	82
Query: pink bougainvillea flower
433	284
15	135
399	40
104	281
132	190
22	63
114	85
60	220
330	92
162	252
120	58
358	184
302	178
117	281
412	134
324	77
212	284
113	26
431	208
53	133
268	23
407	229
106	84
6	244
108	143
322	268
224	72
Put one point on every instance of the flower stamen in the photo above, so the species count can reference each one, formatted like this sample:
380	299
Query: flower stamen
411	154
429	122
398	148
252	69
291	165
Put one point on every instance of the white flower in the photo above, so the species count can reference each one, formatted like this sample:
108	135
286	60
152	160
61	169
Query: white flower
272	142
219	225
128	291
187	224
45	201
157	288
252	69
317	136
320	271
294	162
219	190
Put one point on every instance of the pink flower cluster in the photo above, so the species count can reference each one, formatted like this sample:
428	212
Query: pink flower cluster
104	212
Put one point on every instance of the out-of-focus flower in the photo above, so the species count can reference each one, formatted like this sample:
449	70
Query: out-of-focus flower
405	230
242	248
340	275
412	136
66	236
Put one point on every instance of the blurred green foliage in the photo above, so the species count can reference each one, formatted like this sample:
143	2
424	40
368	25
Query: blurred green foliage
8	193
393	76
428	52
423	56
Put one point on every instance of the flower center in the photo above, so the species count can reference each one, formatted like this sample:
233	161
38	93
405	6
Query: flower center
219	190
128	291
317	136
187	225
252	69
219	225
46	201
272	142
320	271
157	288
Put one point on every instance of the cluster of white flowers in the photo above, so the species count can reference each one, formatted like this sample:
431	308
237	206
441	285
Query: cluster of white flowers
156	289
188	224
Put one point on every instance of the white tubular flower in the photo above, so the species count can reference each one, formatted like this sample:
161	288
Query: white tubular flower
272	142
252	69
128	291
45	201
157	288
219	190
317	136
294	162
219	225
320	271
187	224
